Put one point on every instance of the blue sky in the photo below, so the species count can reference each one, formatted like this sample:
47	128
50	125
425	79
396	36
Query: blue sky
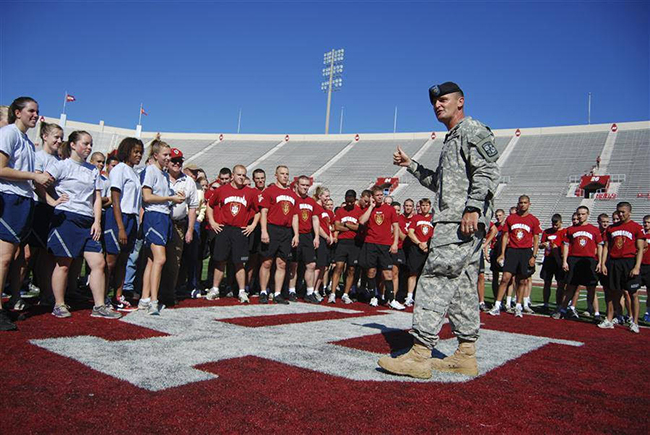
194	65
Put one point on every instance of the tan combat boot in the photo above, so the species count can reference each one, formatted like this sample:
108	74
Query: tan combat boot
415	363
462	361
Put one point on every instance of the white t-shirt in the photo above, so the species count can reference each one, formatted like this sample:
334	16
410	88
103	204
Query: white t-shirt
42	161
106	186
124	178
20	150
79	180
158	182
188	185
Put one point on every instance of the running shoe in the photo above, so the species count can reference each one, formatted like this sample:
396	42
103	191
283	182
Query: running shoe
278	299
409	301
61	311
153	309
123	305
293	297
396	305
264	298
243	297
528	309
346	299
634	327
311	299
495	311
482	306
105	313
213	294
374	302
606	324
331	298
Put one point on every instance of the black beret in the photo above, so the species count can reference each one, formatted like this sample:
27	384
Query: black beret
437	91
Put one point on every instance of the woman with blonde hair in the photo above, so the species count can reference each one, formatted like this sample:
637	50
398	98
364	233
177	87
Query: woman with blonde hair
157	196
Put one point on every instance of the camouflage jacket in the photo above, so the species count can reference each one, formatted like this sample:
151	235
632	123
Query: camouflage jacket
467	173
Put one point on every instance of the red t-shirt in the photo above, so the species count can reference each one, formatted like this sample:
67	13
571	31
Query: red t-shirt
256	194
232	206
422	227
521	230
343	215
583	240
646	250
305	209
280	203
403	222
324	218
208	194
622	237
379	226
555	238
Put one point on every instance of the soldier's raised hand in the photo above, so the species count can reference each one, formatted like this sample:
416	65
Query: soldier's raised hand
400	158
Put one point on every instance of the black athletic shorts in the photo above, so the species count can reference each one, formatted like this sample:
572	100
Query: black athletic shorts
323	253
347	251
516	262
416	259
279	242
551	268
645	276
304	252
582	271
375	256
230	245
255	240
481	263
618	270
399	259
494	265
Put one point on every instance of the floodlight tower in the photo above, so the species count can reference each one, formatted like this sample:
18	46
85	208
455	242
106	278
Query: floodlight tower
334	69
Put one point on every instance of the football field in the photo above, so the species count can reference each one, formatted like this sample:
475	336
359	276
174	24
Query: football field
218	366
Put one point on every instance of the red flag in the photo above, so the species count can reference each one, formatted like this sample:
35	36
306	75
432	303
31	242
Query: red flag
143	112
70	98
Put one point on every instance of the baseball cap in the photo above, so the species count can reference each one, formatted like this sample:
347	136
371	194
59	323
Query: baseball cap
177	154
437	91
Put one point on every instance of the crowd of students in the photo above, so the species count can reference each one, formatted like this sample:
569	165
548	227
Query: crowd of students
142	231
616	256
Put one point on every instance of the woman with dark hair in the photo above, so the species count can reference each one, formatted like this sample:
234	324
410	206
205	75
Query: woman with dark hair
45	199
16	193
121	227
76	226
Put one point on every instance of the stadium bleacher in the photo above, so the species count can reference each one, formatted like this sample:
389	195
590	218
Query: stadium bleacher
540	162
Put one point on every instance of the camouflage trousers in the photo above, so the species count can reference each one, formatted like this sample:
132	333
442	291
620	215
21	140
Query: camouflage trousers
447	287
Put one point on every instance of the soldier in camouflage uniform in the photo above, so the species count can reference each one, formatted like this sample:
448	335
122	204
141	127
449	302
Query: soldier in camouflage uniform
464	184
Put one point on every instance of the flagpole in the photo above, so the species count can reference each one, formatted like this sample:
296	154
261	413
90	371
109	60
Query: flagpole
140	115
65	100
395	121
239	122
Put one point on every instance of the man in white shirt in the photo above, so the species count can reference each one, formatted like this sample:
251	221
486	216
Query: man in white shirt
183	218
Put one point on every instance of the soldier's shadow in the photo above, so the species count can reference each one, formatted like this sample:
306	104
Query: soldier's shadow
400	341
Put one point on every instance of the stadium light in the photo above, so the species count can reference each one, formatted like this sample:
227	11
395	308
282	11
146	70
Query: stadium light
333	61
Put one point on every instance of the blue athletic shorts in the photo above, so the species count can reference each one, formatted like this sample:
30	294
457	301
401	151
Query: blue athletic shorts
70	235
111	232
156	227
16	215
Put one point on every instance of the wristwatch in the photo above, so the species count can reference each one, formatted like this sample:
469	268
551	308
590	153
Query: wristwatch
469	209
